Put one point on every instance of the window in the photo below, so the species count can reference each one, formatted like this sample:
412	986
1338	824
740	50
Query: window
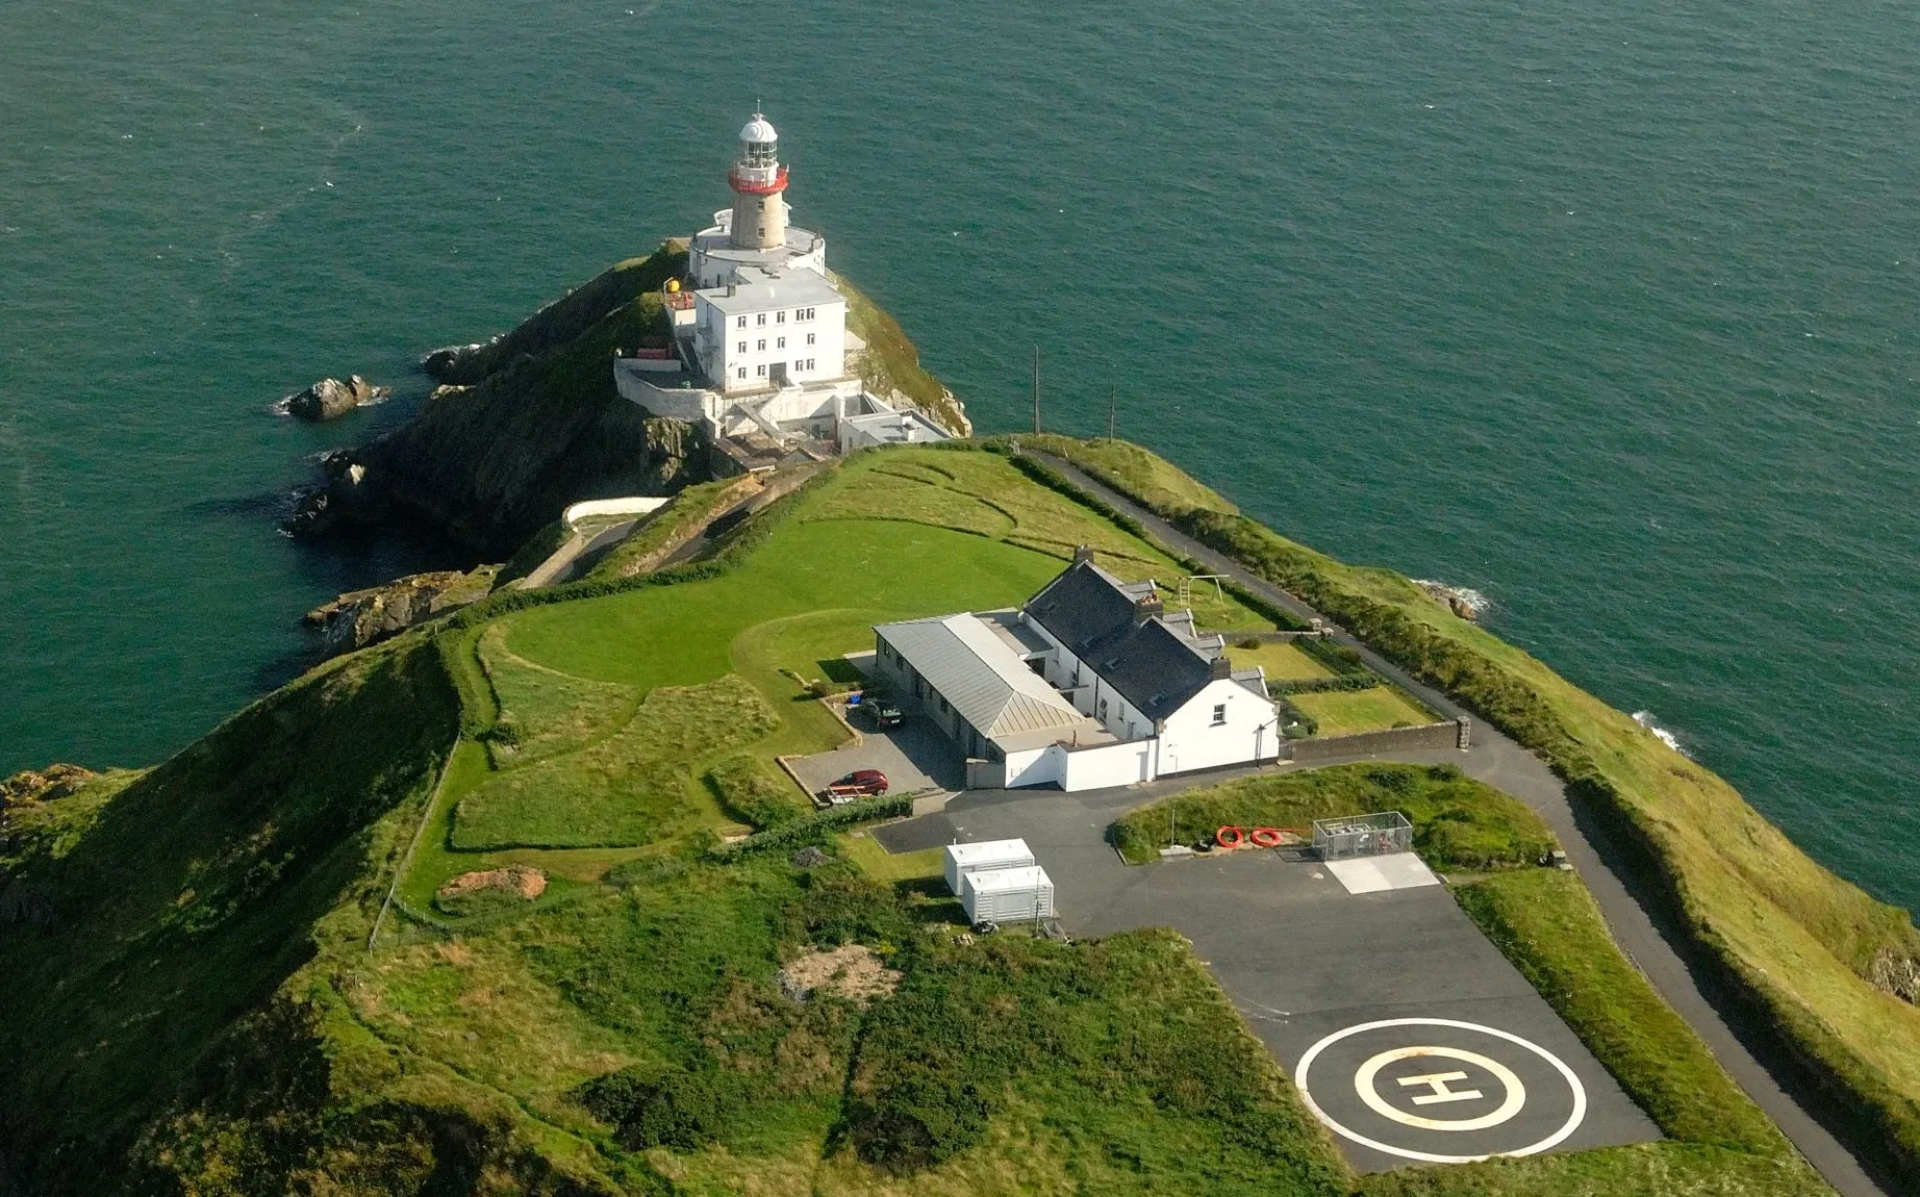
1103	710
743	346
809	363
760	319
779	317
780	343
763	232
810	337
1219	714
943	704
740	322
741	372
761	204
760	370
763	344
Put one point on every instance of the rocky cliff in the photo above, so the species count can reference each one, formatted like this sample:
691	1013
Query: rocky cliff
523	425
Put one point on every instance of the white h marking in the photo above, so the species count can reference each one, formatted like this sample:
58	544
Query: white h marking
1438	1082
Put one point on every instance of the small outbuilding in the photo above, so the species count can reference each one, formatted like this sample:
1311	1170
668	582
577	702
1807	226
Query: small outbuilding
1007	895
984	857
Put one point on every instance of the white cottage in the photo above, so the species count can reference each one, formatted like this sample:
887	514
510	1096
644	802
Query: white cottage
1091	684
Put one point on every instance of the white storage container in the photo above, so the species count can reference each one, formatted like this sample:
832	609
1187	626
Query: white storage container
1007	895
978	858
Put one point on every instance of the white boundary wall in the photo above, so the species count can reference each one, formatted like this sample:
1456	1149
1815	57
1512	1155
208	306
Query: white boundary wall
631	505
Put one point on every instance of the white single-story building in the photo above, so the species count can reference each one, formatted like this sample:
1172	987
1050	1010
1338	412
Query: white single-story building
1091	684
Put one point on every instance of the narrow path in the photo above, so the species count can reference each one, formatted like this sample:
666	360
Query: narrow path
1504	764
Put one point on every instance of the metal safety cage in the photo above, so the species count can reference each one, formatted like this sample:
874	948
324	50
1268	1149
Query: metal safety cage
1362	835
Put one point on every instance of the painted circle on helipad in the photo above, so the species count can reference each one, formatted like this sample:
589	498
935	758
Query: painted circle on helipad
1442	1084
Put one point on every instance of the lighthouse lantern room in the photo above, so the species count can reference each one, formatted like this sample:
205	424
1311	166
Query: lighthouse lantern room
759	181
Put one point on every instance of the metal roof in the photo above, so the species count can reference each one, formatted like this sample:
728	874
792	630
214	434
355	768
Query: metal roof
1000	881
970	666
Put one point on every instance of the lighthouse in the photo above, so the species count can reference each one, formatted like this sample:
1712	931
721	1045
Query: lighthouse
759	184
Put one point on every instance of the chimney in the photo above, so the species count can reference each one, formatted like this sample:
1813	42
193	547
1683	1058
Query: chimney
733	289
1083	553
1219	669
1148	607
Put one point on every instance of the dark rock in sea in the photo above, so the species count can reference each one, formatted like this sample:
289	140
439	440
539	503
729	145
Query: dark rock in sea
345	499
330	398
362	617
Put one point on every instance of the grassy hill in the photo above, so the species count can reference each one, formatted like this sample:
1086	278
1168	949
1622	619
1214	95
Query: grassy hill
262	977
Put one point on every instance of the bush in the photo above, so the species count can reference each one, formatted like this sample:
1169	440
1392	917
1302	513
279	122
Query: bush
922	1118
678	1108
815	827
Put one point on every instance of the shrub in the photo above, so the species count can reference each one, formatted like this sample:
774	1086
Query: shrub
814	828
677	1108
919	1119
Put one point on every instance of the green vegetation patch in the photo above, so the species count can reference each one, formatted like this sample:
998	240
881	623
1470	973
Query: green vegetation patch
1345	713
1547	924
1459	824
632	788
748	789
543	711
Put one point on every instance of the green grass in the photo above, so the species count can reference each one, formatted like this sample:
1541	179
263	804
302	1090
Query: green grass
1458	823
1343	713
881	865
541	711
633	788
748	789
1281	660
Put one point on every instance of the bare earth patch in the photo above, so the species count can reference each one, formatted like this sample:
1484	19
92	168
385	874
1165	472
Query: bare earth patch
853	972
528	883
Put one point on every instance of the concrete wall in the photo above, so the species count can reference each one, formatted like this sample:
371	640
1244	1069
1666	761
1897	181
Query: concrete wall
681	403
1399	739
632	505
1107	765
1035	767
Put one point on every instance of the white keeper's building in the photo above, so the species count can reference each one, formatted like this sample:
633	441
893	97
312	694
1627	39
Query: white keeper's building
1091	684
763	358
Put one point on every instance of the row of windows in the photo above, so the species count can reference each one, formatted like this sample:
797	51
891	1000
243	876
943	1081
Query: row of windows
799	364
778	343
800	316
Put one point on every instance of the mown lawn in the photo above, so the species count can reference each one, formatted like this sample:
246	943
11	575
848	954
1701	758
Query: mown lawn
1281	660
1344	712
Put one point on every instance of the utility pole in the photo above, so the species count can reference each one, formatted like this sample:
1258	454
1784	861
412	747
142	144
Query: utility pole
1036	390
1113	407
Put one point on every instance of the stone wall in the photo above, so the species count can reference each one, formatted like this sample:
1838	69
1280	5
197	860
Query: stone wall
1428	738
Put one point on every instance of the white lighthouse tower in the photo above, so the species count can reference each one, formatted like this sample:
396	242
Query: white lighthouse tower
759	184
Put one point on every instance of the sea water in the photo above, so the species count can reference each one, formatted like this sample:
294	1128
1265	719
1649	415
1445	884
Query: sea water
1606	312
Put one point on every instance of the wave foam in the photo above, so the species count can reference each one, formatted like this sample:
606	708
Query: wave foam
1663	734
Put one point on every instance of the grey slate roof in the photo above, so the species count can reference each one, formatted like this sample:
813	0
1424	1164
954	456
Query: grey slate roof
1156	663
981	675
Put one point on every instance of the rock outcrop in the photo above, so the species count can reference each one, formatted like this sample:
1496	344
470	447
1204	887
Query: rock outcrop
523	425
43	785
329	399
362	617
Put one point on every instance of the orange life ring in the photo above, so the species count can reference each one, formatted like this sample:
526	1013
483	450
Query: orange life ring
1229	837
1266	837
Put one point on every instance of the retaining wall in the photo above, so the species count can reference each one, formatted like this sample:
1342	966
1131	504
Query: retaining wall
1428	738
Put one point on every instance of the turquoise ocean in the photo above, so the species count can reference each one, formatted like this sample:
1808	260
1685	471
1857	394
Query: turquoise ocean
1611	312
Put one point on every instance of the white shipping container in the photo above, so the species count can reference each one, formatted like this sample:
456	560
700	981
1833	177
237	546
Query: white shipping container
1007	895
978	858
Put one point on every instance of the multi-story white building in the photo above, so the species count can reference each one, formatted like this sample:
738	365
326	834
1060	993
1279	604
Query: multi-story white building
763	354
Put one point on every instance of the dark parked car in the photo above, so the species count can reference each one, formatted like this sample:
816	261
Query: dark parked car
885	713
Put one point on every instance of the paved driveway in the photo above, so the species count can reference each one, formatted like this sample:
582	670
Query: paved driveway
1421	1042
915	756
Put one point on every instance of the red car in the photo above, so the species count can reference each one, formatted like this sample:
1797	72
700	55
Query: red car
861	781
